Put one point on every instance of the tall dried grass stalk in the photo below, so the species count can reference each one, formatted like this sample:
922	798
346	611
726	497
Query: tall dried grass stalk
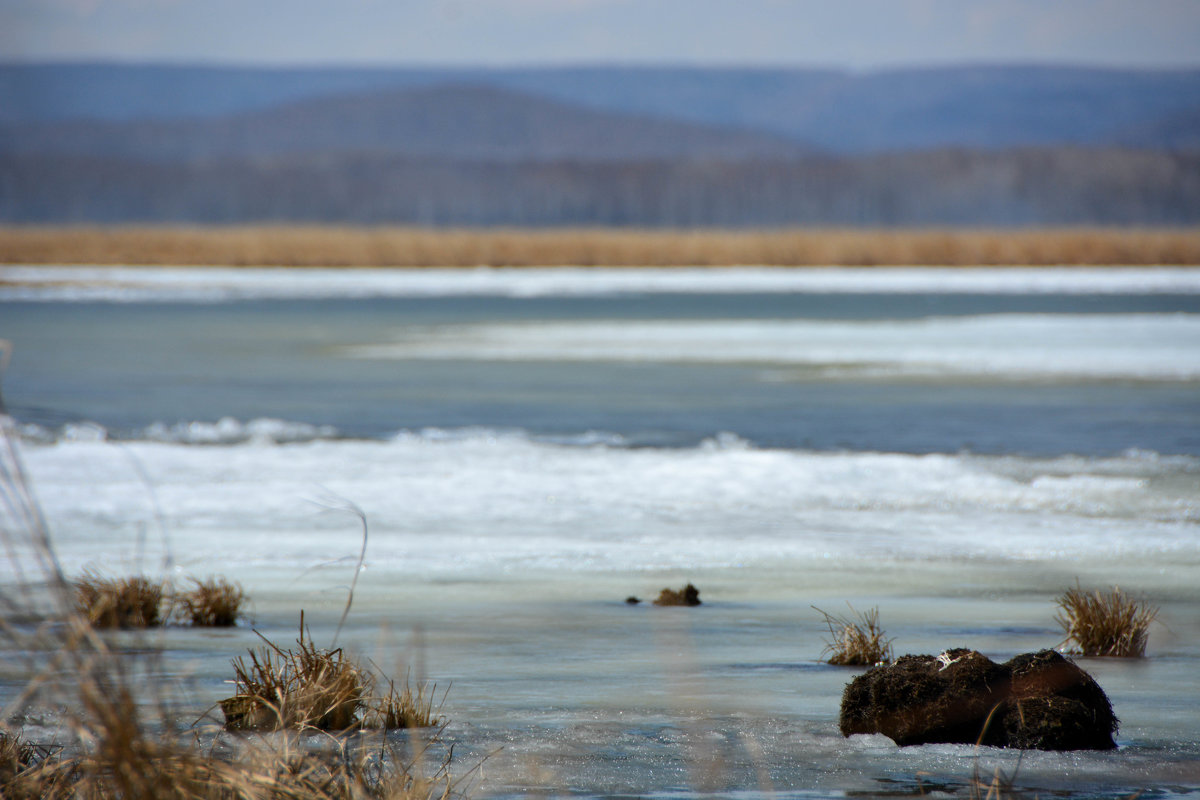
1105	623
303	246
857	641
117	757
16	756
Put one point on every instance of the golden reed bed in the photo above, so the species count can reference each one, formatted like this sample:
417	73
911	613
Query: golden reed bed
305	246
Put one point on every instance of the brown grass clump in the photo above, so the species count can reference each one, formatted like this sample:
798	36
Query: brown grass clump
314	688
687	596
118	602
307	687
1105	624
213	603
137	602
401	708
857	641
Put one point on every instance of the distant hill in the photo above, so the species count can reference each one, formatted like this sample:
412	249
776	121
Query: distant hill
842	112
480	123
599	146
903	109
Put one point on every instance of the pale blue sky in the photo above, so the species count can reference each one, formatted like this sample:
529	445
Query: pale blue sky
856	34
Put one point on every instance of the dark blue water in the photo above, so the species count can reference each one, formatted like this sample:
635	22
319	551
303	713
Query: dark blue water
126	366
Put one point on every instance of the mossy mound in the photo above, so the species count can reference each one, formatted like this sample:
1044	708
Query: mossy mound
1036	701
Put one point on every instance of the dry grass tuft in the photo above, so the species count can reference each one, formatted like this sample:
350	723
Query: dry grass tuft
314	688
858	641
1105	624
687	596
401	708
214	603
118	602
137	602
307	687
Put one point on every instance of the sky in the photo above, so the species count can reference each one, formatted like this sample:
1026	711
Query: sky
846	34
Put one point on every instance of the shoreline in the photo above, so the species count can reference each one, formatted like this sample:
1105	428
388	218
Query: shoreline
328	246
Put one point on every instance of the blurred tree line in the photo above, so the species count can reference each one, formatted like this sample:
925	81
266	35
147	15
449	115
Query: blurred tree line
1018	187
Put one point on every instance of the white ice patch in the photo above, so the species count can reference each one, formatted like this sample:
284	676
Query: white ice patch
491	502
230	431
225	431
213	284
1107	346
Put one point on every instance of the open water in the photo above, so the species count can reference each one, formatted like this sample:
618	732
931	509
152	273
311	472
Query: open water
530	447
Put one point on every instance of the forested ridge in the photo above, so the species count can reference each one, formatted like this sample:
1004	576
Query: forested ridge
652	148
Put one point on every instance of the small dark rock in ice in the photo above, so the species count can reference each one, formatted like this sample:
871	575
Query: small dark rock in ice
687	596
1036	701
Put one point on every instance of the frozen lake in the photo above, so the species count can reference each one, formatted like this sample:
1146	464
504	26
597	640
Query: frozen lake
532	446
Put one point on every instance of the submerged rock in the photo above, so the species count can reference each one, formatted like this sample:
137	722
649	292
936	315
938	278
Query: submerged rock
1038	701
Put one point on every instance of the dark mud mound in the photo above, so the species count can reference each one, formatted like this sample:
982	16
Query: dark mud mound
1038	701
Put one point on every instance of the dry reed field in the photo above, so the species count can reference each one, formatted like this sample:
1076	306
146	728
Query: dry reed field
321	246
